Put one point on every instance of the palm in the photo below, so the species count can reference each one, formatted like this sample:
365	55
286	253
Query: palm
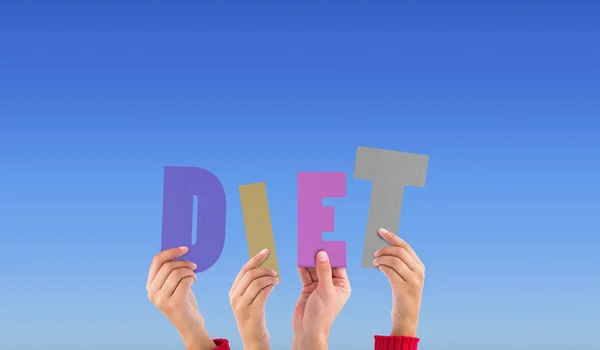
192	305
310	301
192	299
305	295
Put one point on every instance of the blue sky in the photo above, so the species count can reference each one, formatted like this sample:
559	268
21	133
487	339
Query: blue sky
97	97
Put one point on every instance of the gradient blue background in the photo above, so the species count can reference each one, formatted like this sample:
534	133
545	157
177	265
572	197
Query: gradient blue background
504	96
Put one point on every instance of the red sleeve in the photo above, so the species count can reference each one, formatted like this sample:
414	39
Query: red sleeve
395	343
222	344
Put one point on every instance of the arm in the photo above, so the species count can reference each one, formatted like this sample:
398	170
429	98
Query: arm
406	274
248	299
212	344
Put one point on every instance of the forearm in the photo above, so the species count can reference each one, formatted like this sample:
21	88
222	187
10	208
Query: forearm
197	339
403	336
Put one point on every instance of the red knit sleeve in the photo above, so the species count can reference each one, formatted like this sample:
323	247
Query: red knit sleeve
222	344
395	343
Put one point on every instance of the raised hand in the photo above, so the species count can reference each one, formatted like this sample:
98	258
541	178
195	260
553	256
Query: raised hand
248	297
406	274
324	293
169	288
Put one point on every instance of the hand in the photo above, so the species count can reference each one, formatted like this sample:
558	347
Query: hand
169	288
248	296
406	274
324	294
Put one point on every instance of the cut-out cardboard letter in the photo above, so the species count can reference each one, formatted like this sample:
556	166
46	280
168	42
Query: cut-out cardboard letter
181	184
257	221
314	218
389	171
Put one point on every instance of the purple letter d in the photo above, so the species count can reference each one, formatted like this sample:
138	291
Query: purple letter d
181	185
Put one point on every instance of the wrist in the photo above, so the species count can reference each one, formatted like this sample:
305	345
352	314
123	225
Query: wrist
257	347
405	330
317	341
197	339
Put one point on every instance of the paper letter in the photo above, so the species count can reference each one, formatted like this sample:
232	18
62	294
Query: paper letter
314	218
180	186
259	232
389	171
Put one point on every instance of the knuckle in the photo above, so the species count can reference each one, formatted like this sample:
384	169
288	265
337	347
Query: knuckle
398	251
263	271
267	281
252	274
171	264
166	267
236	307
177	273
158	300
256	284
404	245
394	260
181	273
416	281
156	260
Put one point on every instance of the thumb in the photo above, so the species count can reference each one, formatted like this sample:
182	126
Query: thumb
324	270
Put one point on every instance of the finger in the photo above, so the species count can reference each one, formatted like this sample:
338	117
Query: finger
396	264
255	287
261	298
324	269
253	263
398	242
250	277
305	277
166	269
162	257
391	275
183	288
401	253
340	272
173	280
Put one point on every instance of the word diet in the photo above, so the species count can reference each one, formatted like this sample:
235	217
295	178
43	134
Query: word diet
389	171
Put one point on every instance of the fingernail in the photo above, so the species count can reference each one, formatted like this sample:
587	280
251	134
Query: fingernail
382	230
376	253
274	273
322	256
183	248
264	251
194	266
